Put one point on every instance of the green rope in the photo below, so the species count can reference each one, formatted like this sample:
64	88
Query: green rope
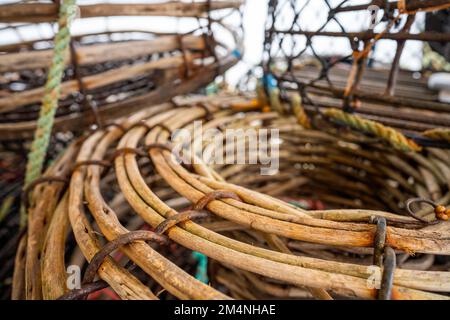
212	89
41	140
202	267
300	204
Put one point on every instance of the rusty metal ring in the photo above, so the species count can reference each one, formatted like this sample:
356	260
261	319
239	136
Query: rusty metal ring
168	147
160	125
102	163
36	182
157	145
179	218
121	240
215	195
208	115
126	150
140	124
379	241
84	290
409	202
387	278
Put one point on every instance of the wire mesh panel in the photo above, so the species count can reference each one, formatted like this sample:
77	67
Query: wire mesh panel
363	58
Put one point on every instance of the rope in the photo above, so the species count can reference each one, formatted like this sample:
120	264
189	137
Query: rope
41	140
395	138
202	267
274	98
273	102
438	134
433	60
262	98
299	111
252	104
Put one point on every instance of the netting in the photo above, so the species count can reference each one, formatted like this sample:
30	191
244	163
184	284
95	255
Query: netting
362	58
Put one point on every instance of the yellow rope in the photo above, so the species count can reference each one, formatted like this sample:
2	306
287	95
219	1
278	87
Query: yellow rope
438	134
274	98
262	98
299	111
246	105
395	138
273	103
433	60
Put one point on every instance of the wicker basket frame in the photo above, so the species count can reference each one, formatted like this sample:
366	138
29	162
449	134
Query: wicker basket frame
241	215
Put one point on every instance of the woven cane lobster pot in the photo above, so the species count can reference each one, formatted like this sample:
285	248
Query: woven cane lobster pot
307	229
347	61
122	55
68	66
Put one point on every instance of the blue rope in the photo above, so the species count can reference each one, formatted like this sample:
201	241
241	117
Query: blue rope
269	81
202	267
236	53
